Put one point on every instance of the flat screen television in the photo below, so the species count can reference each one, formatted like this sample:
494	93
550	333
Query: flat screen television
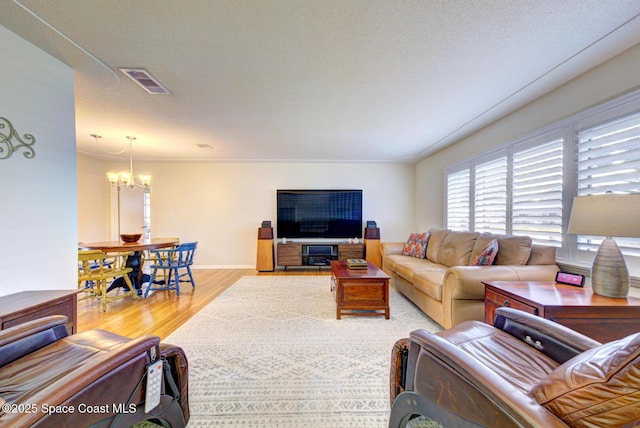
319	214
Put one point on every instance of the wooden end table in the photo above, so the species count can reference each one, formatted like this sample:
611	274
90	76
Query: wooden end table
26	306
363	292
601	318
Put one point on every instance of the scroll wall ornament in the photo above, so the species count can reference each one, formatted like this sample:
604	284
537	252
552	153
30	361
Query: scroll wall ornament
9	147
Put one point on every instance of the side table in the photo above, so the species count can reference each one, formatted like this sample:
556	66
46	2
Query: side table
601	318
26	306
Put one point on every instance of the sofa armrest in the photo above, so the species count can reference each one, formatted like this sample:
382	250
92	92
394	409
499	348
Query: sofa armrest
465	282
431	354
552	339
180	371
388	248
23	339
106	368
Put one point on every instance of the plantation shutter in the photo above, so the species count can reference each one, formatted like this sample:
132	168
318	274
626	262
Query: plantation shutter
458	200
609	161
490	196
537	193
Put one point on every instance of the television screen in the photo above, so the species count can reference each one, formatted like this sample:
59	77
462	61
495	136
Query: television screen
319	214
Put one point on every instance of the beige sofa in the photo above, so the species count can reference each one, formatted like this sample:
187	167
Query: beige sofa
447	287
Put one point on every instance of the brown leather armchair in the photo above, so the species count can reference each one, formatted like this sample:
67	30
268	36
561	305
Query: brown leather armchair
524	371
95	378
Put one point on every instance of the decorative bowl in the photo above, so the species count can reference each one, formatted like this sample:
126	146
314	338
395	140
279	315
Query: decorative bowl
130	237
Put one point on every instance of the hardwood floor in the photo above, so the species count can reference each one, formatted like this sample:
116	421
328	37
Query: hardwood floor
163	312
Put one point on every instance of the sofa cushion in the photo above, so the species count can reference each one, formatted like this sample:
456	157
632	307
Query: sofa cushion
416	245
429	280
513	250
542	255
481	243
597	387
487	256
436	236
456	248
391	261
408	266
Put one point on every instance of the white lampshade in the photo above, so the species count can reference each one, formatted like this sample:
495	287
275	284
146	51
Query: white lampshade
606	215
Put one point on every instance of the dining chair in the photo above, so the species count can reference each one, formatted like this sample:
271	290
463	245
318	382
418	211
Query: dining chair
149	258
99	269
170	262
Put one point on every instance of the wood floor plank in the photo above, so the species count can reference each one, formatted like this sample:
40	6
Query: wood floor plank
163	312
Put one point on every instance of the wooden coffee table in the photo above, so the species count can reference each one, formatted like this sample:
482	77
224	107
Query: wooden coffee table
599	317
362	292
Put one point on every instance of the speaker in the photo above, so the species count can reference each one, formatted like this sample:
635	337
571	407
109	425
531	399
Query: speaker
371	233
265	233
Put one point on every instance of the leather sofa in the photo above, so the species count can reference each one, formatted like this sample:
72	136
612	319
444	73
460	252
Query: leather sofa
445	284
524	371
95	378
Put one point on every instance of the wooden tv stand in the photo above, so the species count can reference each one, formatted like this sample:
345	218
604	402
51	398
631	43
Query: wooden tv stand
299	254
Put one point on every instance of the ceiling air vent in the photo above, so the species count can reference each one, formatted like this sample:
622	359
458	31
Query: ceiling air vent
145	80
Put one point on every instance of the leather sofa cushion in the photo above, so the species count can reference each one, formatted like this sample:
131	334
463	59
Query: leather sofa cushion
542	255
28	374
599	387
391	261
429	281
501	353
456	248
436	237
513	250
409	265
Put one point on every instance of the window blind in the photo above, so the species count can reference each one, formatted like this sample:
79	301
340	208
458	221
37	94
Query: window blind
609	161
490	195
458	200
537	193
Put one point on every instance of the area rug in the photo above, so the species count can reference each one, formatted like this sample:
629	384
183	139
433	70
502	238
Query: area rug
269	352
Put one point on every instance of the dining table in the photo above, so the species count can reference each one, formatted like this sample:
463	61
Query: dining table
134	261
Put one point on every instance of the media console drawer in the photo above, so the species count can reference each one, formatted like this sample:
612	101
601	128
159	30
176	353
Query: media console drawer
316	254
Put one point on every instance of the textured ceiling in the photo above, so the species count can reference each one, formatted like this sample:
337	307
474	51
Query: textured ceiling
316	80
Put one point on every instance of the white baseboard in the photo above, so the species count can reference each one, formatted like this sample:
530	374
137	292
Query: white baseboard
223	267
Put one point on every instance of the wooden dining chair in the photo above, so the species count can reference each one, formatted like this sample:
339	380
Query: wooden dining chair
96	270
170	262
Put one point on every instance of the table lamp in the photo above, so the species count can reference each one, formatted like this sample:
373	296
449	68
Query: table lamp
607	215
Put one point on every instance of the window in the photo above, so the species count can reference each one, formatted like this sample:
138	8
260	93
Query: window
537	192
490	196
458	200
526	187
147	213
608	160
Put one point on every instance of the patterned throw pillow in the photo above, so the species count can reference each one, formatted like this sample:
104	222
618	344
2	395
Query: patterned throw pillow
409	245
488	254
416	245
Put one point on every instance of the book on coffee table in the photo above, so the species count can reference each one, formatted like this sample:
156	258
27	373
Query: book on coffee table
357	264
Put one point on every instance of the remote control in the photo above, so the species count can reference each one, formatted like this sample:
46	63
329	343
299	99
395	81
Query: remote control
154	386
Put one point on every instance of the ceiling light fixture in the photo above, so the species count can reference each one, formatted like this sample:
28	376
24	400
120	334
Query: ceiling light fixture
124	178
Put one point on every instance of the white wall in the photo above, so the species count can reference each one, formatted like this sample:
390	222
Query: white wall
93	200
38	232
221	205
611	79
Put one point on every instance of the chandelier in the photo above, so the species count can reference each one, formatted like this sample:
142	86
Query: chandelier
125	178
